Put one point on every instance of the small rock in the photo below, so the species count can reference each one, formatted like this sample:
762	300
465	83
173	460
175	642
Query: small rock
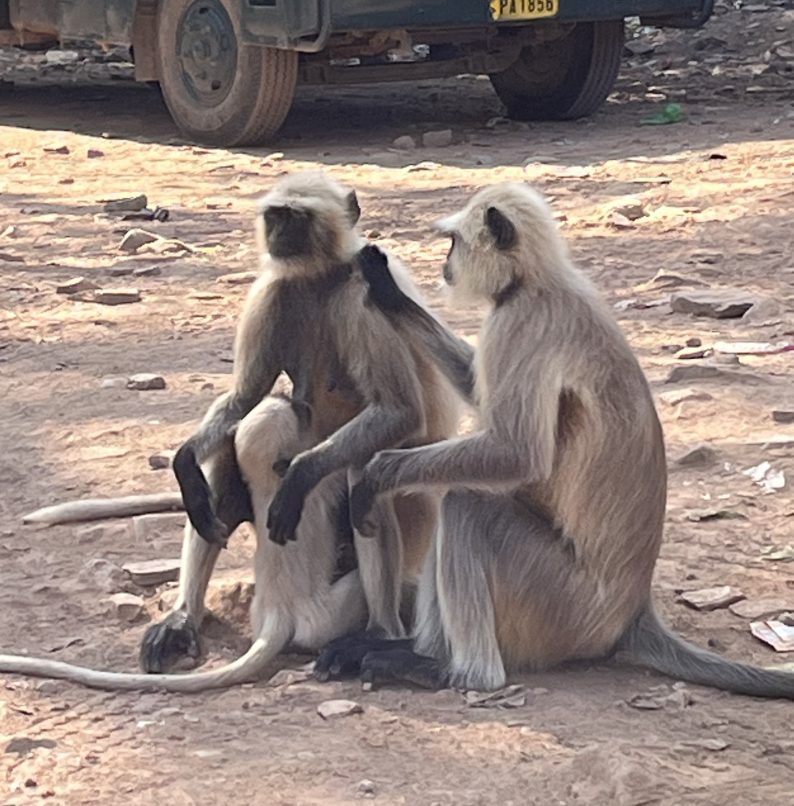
105	575
701	515
784	416
56	150
238	278
437	139
405	143
58	56
131	204
127	606
373	234
620	221
22	745
332	709
146	271
366	787
94	153
150	573
693	372
159	461
145	381
287	677
676	396
113	382
759	608
116	296
75	286
711	598
632	209
690	353
134	239
146	527
712	303
714	745
694	342
726	360
702	456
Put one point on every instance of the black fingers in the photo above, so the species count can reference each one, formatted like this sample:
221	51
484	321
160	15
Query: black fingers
174	638
286	509
197	497
383	290
343	657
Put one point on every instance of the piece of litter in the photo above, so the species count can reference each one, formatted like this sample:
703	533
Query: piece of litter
766	477
786	554
711	598
778	635
752	347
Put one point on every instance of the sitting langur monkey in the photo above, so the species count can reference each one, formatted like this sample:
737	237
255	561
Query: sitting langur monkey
551	528
358	387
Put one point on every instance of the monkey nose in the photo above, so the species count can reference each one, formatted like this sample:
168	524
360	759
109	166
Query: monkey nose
447	274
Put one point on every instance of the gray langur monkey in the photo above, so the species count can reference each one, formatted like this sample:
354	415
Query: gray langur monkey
357	387
551	528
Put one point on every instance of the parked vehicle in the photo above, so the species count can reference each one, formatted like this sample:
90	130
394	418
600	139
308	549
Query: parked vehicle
228	68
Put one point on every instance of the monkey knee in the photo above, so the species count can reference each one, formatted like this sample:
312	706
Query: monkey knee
269	434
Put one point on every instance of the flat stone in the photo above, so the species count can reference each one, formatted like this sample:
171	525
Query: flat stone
127	606
149	573
135	238
116	296
75	286
334	709
701	456
712	303
437	139
689	353
131	204
693	372
760	608
145	381
784	416
160	461
238	278
711	598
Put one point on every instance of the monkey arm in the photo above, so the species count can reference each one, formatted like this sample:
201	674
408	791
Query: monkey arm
453	355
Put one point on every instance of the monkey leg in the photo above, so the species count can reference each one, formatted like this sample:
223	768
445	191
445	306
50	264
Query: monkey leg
294	600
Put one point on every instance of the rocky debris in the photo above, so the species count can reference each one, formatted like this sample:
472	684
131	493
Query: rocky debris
105	575
678	699
760	608
715	304
238	278
701	456
160	461
94	153
619	221
509	697
676	396
693	372
135	238
127	606
710	598
150	573
145	381
366	788
701	515
778	634
783	416
334	709
766	477
630	209
111	296
712	745
146	527
23	746
437	139
131	204
404	143
75	286
693	341
691	353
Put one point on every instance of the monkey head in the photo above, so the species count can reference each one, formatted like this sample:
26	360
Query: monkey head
505	235
306	224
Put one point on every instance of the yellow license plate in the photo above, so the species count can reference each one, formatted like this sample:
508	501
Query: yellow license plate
524	9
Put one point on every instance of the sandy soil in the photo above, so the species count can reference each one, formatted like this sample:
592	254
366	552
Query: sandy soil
718	195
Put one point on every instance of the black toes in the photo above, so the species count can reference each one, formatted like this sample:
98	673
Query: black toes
401	665
342	657
172	639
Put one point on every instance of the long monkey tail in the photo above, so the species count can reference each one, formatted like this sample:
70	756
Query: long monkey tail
96	509
247	668
650	643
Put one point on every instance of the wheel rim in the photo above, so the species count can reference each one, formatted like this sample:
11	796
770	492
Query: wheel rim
207	50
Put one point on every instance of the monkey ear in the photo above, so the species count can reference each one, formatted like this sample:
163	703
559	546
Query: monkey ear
353	210
502	229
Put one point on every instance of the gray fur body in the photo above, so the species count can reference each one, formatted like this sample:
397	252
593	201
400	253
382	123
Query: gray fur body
552	525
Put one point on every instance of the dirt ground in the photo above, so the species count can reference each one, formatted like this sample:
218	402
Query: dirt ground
717	193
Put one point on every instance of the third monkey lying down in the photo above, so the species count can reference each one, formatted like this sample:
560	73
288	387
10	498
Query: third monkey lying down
553	518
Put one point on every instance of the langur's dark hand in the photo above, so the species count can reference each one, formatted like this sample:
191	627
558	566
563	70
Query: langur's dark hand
383	290
286	507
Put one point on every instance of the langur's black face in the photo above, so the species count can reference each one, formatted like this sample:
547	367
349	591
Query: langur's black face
288	231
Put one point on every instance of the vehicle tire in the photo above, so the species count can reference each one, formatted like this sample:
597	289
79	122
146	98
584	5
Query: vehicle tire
219	91
565	78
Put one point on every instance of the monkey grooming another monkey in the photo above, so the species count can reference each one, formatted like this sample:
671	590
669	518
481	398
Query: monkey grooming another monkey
551	528
357	387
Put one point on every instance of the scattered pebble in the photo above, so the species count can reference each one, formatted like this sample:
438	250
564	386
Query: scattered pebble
134	239
159	461
405	143
238	278
710	598
701	456
146	381
689	353
712	303
150	573
331	709
366	788
784	416
437	139
127	606
94	153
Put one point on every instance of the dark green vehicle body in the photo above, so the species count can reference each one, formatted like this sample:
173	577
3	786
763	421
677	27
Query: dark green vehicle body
228	68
